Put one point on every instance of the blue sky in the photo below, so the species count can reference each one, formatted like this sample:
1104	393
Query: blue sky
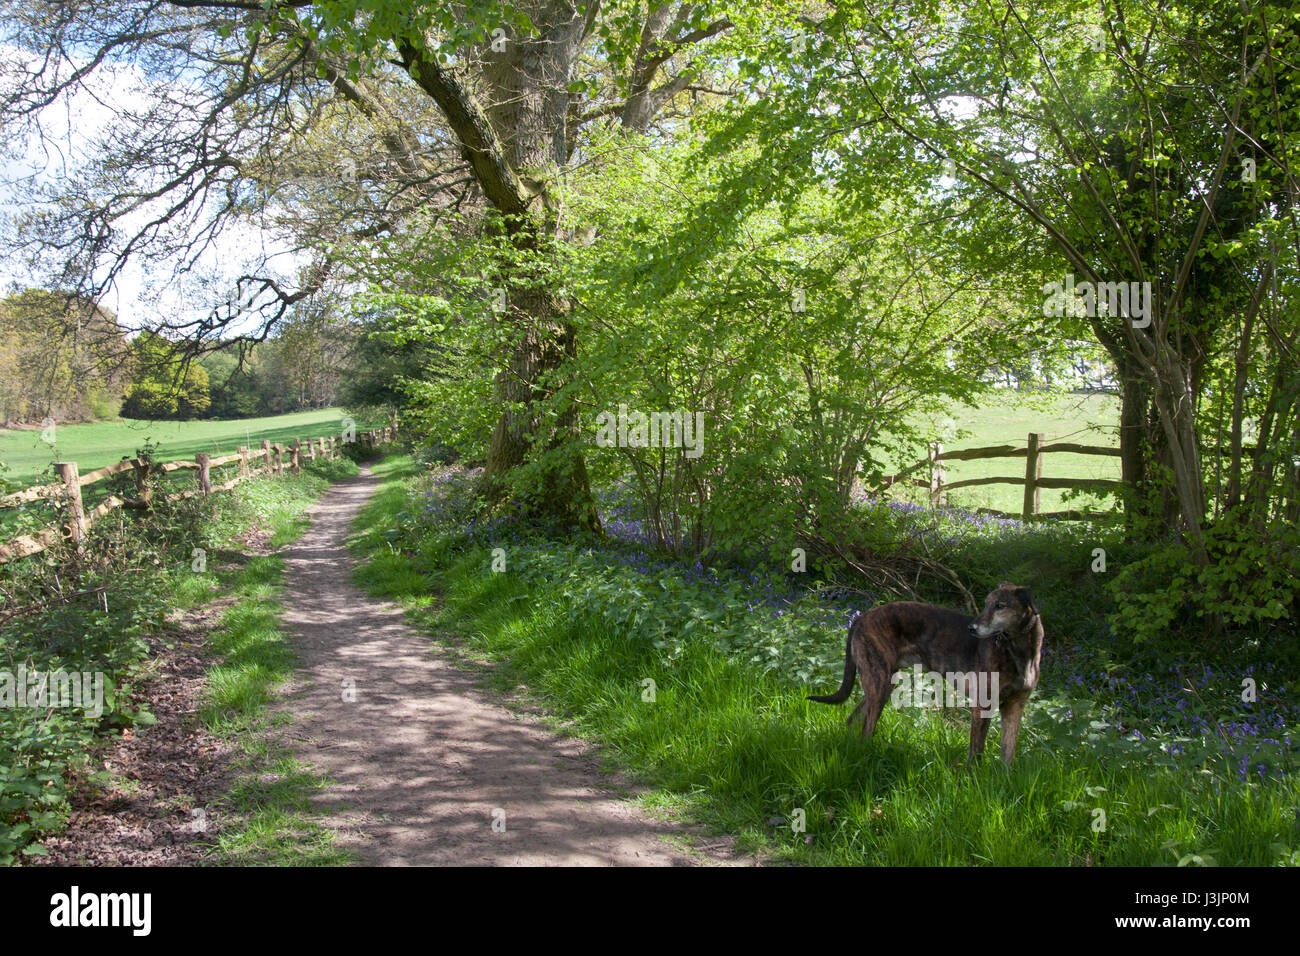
71	127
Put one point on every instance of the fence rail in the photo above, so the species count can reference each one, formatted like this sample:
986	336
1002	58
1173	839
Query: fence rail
1032	480
77	521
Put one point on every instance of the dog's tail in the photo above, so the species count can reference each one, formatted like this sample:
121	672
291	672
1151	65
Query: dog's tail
850	675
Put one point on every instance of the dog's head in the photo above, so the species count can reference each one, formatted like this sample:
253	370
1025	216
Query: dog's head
1008	611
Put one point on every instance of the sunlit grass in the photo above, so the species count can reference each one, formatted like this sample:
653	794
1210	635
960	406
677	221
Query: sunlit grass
96	444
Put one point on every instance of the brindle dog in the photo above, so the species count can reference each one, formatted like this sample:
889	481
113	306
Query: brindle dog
1006	640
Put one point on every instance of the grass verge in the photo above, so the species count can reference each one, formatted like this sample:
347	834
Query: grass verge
269	819
105	610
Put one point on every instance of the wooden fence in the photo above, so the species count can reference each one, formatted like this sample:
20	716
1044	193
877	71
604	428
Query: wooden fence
1033	480
77	520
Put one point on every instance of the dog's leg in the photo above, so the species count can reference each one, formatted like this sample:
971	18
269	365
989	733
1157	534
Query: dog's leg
979	731
875	669
1011	709
869	708
873	702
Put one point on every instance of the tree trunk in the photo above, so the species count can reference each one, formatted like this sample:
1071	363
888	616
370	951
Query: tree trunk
514	128
562	492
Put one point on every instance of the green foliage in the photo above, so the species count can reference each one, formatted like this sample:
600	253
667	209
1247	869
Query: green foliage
812	346
102	612
60	357
165	385
386	360
1249	586
236	392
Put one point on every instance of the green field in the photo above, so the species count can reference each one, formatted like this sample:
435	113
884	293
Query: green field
103	443
1008	420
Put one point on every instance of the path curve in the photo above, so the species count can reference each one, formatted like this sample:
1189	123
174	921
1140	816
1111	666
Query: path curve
421	761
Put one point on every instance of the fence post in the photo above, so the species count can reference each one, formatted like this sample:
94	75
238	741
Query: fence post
279	457
311	449
1033	471
266	452
142	490
205	474
243	461
294	464
76	525
936	475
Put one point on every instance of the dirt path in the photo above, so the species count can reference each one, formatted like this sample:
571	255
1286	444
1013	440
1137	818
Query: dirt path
422	760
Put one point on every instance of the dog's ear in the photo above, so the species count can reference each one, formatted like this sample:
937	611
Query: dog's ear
1024	596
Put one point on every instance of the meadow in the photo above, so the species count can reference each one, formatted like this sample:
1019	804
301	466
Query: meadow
1007	418
96	444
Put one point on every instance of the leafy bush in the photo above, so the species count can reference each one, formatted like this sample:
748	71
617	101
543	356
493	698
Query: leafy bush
1249	583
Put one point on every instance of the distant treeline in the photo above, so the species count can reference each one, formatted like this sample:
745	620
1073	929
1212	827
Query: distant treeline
60	357
66	358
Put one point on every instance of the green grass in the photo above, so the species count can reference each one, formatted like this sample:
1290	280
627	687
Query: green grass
1007	420
733	747
98	444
